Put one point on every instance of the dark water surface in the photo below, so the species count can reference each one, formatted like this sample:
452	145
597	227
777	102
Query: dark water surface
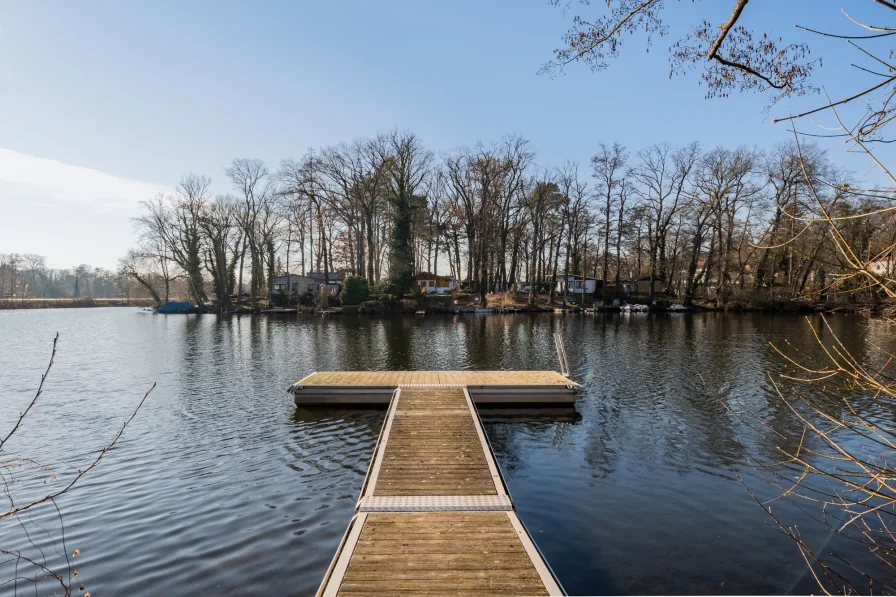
223	487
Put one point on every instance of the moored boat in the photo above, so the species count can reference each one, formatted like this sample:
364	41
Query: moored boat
172	307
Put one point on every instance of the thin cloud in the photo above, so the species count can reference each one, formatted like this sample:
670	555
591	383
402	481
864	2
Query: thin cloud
57	181
68	213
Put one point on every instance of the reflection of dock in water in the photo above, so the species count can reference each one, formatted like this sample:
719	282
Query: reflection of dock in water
434	516
530	414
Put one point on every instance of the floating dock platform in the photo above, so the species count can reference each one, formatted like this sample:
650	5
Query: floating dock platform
434	516
485	387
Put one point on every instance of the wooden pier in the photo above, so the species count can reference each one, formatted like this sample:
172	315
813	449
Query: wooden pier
484	387
434	516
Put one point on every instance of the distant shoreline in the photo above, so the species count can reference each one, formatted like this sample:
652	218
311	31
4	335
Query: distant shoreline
409	307
68	303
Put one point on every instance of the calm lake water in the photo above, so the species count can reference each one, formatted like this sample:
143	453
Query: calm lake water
222	486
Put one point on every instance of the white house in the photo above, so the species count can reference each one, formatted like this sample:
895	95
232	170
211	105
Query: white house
293	283
882	268
574	284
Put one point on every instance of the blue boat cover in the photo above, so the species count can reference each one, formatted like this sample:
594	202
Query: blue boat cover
175	307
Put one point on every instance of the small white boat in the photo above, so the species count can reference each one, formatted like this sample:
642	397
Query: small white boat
678	308
634	308
146	310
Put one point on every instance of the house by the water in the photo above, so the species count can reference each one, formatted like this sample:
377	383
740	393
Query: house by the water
434	283
574	284
293	283
310	283
641	285
333	279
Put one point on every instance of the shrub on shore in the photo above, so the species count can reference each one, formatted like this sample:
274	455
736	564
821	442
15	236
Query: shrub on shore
355	290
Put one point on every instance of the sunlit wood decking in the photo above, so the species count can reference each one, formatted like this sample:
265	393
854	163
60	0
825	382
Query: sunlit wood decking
434	516
485	387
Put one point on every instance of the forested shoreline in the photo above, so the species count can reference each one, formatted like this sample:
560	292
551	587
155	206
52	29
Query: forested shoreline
722	224
721	227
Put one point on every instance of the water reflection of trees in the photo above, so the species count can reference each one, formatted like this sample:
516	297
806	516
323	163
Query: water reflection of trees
665	403
658	390
834	454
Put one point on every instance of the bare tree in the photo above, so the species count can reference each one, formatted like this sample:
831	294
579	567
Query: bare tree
137	266
727	182
305	182
731	57
661	176
220	226
251	179
40	485
171	226
33	265
608	169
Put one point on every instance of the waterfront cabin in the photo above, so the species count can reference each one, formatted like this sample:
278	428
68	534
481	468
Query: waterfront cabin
293	283
333	280
574	284
642	285
433	283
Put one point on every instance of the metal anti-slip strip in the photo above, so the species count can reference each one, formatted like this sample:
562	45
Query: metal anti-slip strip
434	503
452	386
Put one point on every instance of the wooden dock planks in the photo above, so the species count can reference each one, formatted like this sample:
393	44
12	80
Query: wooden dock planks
433	465
430	553
485	387
433	448
393	379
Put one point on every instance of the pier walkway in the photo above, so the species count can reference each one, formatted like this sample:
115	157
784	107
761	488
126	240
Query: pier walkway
434	516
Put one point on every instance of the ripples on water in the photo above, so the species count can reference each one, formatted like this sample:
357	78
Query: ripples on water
222	486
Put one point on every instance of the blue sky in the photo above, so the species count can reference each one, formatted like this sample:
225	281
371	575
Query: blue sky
104	103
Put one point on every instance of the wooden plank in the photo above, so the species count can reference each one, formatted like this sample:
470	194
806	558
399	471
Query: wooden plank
389	548
469	378
492	524
434	451
424	491
462	468
399	553
447	570
421	532
454	474
386	584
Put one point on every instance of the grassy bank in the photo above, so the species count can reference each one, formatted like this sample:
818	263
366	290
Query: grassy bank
68	303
